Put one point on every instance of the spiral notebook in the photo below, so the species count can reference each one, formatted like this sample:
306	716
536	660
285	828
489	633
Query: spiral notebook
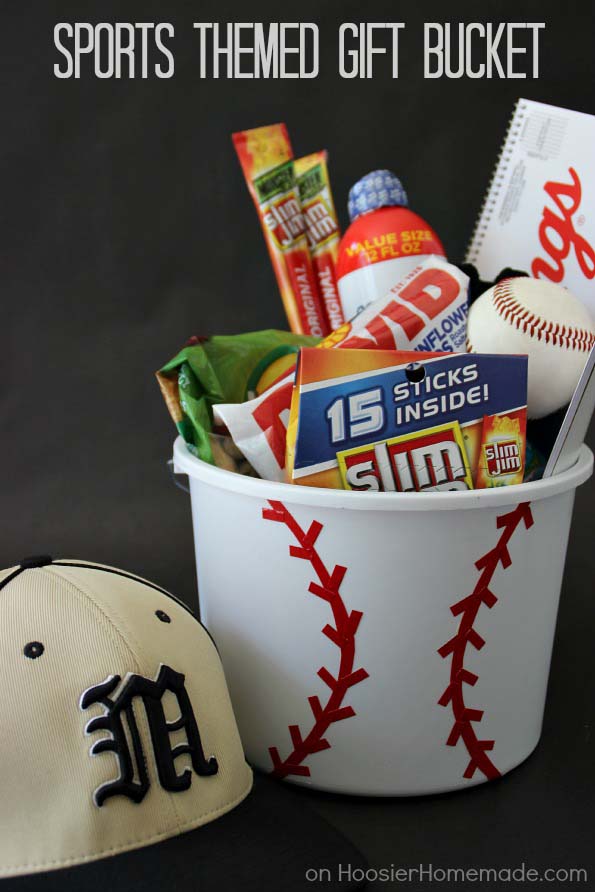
539	212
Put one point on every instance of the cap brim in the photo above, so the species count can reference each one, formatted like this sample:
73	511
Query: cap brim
272	840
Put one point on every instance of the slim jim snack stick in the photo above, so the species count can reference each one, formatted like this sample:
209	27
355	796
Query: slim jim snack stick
322	230
267	162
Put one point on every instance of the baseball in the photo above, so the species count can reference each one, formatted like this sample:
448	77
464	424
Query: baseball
546	322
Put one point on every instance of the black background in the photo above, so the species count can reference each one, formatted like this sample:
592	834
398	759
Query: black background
127	227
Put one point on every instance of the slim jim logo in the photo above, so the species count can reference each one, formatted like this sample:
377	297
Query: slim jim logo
433	460
557	232
285	221
503	457
320	223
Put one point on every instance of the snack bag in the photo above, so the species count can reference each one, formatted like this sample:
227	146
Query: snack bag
218	369
428	309
259	427
267	162
424	411
322	229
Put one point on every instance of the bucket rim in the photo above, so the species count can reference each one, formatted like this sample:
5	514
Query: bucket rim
186	463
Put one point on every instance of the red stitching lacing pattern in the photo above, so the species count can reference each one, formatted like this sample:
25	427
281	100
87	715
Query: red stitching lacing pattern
342	634
468	609
509	308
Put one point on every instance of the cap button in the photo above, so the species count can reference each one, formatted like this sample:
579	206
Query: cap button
36	560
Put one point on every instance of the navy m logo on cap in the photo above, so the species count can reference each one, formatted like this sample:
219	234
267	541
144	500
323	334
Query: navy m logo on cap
133	780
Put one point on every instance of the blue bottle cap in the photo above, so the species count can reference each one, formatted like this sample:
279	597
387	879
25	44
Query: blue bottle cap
378	189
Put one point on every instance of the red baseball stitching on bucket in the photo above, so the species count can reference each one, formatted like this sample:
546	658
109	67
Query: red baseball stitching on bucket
509	308
342	634
468	608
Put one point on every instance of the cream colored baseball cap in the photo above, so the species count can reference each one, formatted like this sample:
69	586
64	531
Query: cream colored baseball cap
117	733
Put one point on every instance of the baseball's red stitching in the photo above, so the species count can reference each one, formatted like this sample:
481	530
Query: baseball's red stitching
468	609
509	308
342	634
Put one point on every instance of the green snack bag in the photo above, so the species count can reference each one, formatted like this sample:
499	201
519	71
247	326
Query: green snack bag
222	369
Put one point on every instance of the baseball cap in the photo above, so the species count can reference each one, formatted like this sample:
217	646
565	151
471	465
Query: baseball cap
121	765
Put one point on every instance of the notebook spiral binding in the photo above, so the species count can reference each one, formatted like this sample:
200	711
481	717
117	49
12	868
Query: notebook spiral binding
515	126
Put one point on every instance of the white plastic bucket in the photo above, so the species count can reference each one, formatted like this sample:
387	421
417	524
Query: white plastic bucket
423	665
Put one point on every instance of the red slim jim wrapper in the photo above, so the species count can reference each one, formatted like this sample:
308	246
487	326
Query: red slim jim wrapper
426	311
322	230
267	162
